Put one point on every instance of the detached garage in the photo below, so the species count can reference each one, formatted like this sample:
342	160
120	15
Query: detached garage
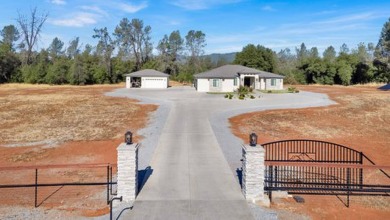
148	79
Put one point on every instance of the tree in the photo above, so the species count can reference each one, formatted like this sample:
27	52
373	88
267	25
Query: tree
73	49
9	61
329	54
286	65
10	35
175	45
382	54
31	28
363	53
313	53
90	64
363	69
9	66
55	48
344	73
195	42
104	49
344	49
383	46
58	72
36	72
302	52
258	57
134	40
169	49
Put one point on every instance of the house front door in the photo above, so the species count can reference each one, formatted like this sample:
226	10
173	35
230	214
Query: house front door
249	81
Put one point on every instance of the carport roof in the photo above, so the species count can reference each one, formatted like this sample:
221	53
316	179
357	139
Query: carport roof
147	73
233	71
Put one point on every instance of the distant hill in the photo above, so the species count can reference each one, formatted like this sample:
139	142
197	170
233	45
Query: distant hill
227	57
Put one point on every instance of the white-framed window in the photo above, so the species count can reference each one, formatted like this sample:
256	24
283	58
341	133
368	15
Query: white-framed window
273	82
235	82
215	82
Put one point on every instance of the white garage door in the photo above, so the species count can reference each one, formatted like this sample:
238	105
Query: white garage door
154	82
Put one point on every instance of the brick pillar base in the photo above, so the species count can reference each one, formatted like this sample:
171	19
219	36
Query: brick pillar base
253	173
127	171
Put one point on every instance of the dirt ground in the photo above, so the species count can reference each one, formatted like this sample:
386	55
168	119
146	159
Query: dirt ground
360	120
44	125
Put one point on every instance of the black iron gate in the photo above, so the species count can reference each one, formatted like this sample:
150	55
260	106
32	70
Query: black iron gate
315	167
312	151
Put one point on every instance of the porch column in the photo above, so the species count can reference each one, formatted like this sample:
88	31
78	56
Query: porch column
253	174
128	171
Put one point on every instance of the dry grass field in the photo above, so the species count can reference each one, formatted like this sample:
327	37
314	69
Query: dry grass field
44	125
43	114
360	120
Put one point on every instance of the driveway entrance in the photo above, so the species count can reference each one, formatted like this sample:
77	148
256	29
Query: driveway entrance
194	157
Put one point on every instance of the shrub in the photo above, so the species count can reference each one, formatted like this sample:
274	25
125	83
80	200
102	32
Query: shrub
243	90
292	89
252	97
241	97
226	96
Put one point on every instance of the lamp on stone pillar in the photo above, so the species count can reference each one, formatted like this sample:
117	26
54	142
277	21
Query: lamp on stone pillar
128	138
253	140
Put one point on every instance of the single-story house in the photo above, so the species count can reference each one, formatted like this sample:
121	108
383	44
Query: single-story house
148	78
228	78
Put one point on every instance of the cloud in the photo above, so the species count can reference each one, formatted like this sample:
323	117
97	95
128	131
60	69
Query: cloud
58	2
86	16
79	19
349	18
96	9
131	8
201	4
267	8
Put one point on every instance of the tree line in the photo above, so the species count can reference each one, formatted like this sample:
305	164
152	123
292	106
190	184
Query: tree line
363	64
129	48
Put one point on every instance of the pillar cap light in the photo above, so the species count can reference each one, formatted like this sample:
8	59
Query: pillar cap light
253	140
128	138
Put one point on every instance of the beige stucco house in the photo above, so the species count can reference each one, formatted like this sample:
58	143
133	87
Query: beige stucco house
228	78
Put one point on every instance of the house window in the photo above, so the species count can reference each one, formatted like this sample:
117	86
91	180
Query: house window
215	82
273	82
235	81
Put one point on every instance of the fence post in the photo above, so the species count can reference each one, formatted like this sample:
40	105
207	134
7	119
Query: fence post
108	184
253	174
127	171
111	180
361	171
36	188
348	185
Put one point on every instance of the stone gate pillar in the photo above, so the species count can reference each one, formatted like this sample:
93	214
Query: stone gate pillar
253	174
128	171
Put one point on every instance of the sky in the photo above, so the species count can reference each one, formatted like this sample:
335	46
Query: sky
229	25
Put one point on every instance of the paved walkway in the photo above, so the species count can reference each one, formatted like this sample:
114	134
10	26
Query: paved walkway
191	177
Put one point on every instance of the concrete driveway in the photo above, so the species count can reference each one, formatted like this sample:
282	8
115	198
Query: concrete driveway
192	154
